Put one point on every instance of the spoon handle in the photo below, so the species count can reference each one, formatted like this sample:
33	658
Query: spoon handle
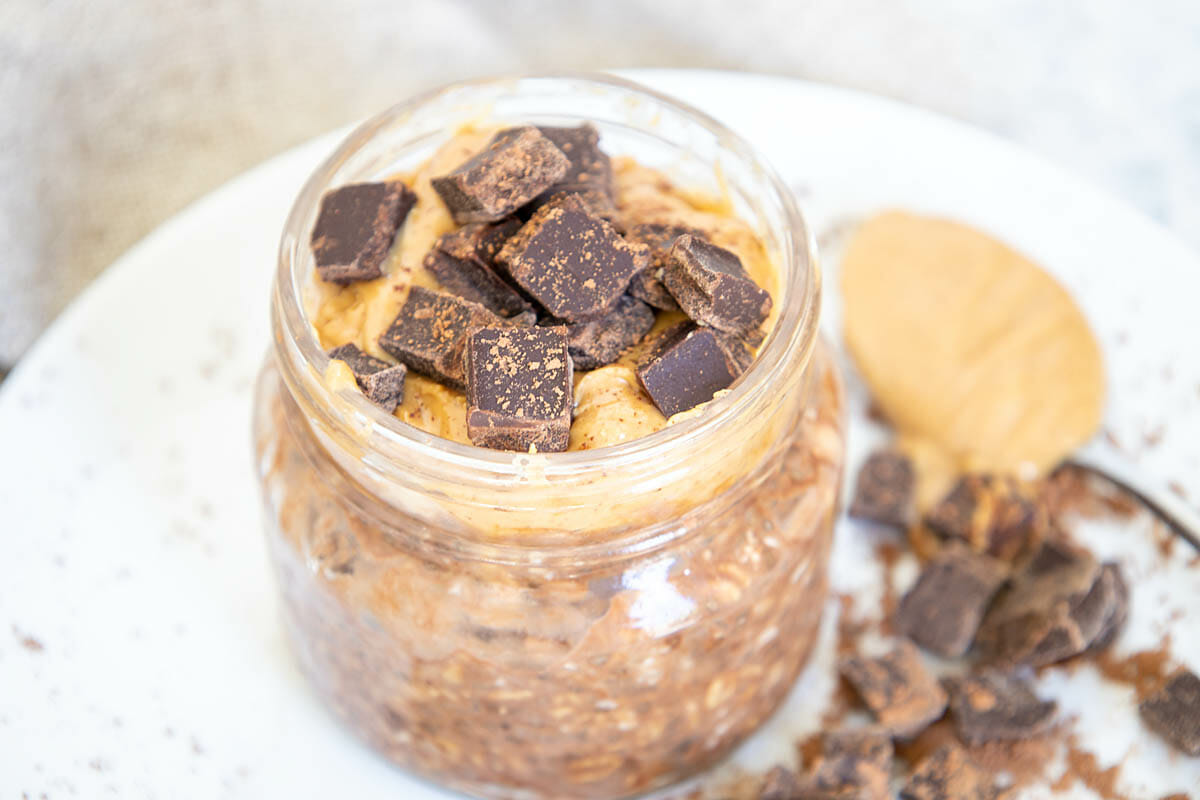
1100	458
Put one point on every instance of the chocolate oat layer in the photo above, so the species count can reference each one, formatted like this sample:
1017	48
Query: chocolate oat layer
540	227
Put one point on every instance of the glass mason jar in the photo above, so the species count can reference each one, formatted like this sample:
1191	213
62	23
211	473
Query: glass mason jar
583	624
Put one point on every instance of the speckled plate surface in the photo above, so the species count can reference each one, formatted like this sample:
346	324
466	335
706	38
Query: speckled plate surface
141	654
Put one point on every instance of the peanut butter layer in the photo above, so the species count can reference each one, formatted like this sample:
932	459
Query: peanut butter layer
978	357
610	406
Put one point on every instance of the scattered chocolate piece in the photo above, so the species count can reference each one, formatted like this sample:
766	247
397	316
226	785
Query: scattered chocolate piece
571	261
900	692
948	774
988	512
355	229
943	609
685	367
884	490
601	341
648	285
462	263
780	784
1174	712
430	333
854	765
590	168
1048	613
519	388
517	165
381	382
712	287
993	707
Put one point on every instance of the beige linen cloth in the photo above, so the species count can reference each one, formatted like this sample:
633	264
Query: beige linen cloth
114	114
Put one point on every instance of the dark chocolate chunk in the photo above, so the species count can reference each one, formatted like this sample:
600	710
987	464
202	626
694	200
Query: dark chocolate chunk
884	490
590	167
737	348
462	263
712	287
517	165
898	689
1174	712
854	765
990	513
948	774
355	229
430	333
1115	608
381	382
595	201
572	262
993	707
648	285
1048	613
686	366
943	609
601	341
519	388
780	784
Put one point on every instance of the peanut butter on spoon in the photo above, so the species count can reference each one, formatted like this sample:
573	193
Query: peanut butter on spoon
979	358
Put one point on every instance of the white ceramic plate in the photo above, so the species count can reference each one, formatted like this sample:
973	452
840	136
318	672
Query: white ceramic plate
140	650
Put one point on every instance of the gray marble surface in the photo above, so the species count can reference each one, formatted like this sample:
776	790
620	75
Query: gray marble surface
120	112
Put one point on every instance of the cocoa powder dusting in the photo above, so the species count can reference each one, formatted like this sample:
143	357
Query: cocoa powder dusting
1022	762
1083	767
1143	671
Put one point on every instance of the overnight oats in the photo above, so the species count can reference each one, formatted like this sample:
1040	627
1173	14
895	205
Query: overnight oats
549	446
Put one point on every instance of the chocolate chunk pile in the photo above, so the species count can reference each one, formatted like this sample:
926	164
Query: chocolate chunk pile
1003	592
543	257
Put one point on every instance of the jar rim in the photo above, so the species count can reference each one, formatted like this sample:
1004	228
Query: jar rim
303	361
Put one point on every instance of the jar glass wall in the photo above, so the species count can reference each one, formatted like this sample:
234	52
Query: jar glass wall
585	624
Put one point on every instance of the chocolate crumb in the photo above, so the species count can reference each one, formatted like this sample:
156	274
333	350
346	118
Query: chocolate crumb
571	261
32	645
898	689
883	492
949	774
686	366
712	287
519	388
430	333
996	707
517	165
381	382
601	341
355	228
943	609
1174	712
